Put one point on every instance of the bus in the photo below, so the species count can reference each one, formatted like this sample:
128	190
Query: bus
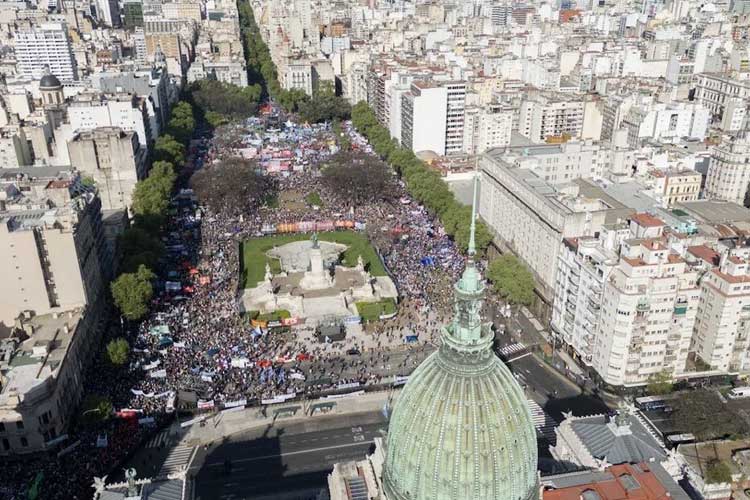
651	403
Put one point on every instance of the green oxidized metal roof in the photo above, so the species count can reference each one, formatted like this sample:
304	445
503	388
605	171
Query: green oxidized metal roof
461	429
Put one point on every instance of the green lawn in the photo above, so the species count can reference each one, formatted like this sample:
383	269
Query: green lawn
371	311
254	256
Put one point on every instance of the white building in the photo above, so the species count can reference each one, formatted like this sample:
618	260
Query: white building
298	75
423	118
721	93
666	122
544	117
648	309
584	264
722	325
121	111
729	170
454	117
45	48
487	127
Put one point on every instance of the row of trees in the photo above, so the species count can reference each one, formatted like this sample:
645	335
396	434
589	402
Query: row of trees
358	177
234	186
324	105
423	183
220	102
140	245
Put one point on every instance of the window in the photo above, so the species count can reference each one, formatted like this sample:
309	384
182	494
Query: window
6	445
24	442
19	424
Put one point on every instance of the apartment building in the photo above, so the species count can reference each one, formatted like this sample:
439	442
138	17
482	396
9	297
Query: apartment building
126	111
729	170
584	265
648	309
723	94
561	163
722	323
487	127
454	117
45	48
112	157
51	246
423	118
666	122
676	186
530	217
545	117
298	75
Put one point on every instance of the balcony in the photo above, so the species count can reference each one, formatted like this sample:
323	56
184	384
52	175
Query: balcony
680	310
642	306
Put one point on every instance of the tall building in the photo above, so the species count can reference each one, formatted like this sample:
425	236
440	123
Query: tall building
114	159
722	324
132	13
56	267
43	49
543	117
648	309
461	427
729	170
423	123
454	117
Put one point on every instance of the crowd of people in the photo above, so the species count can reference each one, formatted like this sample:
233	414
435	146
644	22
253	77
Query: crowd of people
195	344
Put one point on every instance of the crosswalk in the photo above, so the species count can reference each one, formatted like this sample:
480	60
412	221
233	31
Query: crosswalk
507	351
177	460
160	440
544	424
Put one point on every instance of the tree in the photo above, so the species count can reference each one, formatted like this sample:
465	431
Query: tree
182	122
659	384
118	351
132	292
511	279
717	471
702	413
292	99
168	149
151	195
324	106
226	99
139	247
233	186
96	409
358	177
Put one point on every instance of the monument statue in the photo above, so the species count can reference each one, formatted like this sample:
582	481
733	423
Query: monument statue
130	478
99	485
314	240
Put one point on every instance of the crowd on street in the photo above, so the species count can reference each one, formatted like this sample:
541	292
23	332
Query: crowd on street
196	348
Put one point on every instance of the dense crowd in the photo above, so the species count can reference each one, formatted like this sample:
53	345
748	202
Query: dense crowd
196	342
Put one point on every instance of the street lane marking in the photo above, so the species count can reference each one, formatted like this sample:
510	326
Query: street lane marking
519	357
300	452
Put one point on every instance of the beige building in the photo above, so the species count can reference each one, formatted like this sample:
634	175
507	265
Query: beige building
51	248
676	187
182	10
551	116
729	170
114	159
55	267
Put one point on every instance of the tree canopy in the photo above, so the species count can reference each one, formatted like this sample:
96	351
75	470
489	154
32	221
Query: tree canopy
511	279
139	247
132	292
233	186
151	195
225	99
170	150
423	183
659	384
118	351
324	106
182	122
358	177
702	413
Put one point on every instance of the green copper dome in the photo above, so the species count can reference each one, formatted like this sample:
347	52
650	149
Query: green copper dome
461	429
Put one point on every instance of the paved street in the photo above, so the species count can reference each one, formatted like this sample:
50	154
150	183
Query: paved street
283	461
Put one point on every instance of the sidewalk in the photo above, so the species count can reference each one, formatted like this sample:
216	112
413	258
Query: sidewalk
226	423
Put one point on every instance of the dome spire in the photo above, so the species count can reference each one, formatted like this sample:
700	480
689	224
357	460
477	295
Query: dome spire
466	327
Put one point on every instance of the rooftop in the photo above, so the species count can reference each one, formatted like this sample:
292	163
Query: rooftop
618	482
34	354
715	212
